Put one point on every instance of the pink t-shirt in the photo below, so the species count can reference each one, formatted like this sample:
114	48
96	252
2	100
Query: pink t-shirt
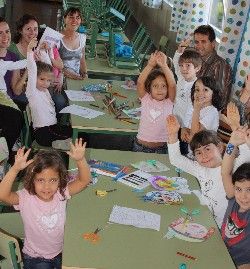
152	127
43	223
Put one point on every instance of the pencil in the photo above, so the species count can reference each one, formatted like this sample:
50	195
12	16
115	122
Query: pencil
94	105
128	121
186	256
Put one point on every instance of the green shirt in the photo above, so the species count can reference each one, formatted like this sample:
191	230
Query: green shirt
13	48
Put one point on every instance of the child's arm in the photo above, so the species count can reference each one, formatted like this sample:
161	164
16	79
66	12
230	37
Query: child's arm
233	116
6	195
237	138
174	153
77	153
195	124
55	58
17	65
161	60
144	74
245	95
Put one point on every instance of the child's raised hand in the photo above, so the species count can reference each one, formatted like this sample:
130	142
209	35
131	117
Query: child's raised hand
21	159
247	137
32	44
185	134
152	60
173	125
161	59
77	150
183	45
238	136
233	116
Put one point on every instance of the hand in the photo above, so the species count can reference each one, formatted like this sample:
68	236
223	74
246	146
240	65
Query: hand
77	151
44	46
152	59
233	116
238	136
247	137
183	45
161	59
32	44
173	125
198	103
185	134
21	159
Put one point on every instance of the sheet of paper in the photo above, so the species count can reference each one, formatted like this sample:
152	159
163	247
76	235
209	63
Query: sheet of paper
84	112
135	217
51	36
151	166
79	96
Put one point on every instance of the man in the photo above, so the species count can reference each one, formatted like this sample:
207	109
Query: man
213	65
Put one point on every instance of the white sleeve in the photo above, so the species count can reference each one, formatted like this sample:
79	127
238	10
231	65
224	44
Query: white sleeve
182	162
176	64
16	65
244	156
32	74
44	55
188	117
209	118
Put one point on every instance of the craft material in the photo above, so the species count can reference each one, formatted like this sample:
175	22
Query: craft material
163	197
93	237
178	184
73	174
135	217
94	105
95	88
134	113
150	166
102	193
182	266
137	179
186	256
79	96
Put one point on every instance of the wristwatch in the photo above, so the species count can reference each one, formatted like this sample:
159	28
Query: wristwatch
229	148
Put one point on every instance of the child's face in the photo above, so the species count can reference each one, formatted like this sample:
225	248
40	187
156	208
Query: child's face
188	71
44	80
209	156
202	94
242	194
46	184
158	88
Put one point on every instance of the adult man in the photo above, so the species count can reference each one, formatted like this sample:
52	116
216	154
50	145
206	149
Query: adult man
213	65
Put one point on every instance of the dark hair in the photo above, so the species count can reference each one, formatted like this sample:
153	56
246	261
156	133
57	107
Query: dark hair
2	19
152	76
191	56
43	67
25	19
43	160
203	138
71	11
242	173
206	30
211	83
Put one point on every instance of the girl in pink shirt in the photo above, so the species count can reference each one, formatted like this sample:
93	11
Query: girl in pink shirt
42	201
156	88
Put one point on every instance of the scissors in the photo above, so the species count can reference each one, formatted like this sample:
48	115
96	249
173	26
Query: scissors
93	237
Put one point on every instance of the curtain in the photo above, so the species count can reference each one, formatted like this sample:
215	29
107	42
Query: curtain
152	3
187	15
235	40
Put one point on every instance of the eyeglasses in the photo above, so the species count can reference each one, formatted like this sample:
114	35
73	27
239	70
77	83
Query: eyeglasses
51	181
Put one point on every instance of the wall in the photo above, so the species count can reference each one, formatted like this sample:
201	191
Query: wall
156	21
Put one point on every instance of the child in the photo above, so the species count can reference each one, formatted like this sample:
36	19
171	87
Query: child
236	224
207	149
42	202
9	65
156	89
46	129
186	63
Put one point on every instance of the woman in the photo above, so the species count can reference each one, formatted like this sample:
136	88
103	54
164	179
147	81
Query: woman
72	47
26	29
10	117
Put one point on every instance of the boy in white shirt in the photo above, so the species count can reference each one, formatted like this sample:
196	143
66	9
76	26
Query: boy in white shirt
187	63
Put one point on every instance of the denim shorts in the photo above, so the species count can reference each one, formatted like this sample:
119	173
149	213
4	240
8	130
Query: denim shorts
137	147
42	263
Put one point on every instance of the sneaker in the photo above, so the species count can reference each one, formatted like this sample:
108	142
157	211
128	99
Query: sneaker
62	144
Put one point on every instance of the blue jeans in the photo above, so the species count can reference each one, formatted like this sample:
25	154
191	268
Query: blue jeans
137	147
42	263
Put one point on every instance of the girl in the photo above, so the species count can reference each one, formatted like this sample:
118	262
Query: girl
72	47
156	89
207	149
46	129
206	100
42	202
236	224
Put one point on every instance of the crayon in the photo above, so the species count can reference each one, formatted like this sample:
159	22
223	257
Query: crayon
94	105
186	256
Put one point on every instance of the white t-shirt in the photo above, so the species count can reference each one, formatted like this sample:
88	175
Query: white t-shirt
212	189
42	107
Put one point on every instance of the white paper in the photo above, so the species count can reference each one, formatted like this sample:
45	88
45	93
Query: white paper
81	111
79	96
135	217
51	37
151	167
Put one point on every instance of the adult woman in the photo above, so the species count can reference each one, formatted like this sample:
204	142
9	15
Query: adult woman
10	117
26	29
72	47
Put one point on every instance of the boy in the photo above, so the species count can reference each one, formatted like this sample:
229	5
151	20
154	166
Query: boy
186	63
207	149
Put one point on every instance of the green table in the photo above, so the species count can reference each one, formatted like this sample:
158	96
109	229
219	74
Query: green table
105	123
124	246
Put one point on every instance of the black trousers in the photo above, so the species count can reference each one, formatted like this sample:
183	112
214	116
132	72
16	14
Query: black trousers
11	122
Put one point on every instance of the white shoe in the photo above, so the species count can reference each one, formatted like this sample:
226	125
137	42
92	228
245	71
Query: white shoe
62	144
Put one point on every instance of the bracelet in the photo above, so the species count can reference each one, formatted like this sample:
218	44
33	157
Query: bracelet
229	148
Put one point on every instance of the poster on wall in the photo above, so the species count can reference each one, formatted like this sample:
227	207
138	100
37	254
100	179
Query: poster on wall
152	3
